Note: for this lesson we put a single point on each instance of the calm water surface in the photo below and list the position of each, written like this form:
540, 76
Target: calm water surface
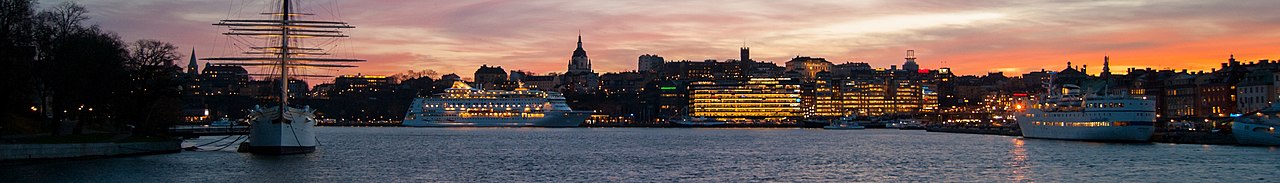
678, 155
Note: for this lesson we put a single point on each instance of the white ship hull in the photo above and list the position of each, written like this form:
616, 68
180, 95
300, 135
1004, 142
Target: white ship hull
551, 119
1093, 119
1139, 132
1255, 134
269, 136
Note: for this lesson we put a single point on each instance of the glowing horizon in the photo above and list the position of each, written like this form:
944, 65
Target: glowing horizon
971, 37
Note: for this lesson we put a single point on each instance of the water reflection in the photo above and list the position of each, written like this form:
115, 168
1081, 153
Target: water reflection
678, 155
1018, 160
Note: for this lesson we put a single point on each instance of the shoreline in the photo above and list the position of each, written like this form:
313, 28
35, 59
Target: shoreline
18, 153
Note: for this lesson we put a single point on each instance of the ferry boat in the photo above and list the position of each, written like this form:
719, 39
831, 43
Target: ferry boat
1258, 128
1071, 116
464, 106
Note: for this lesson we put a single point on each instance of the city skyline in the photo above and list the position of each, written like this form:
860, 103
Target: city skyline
539, 36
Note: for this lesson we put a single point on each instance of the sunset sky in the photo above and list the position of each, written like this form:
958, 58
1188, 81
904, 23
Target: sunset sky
972, 37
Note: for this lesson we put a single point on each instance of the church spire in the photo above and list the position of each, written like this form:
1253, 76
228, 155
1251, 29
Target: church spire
1106, 66
579, 63
192, 68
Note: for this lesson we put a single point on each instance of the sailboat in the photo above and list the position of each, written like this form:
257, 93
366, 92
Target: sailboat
283, 129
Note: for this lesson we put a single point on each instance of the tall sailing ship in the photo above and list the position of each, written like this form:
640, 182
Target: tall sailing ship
283, 129
1068, 114
464, 106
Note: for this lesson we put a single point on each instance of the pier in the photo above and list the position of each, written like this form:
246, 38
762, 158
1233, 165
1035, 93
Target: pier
197, 131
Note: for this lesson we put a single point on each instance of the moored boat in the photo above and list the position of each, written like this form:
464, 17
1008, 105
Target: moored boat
283, 129
697, 122
846, 123
1069, 115
464, 106
1258, 128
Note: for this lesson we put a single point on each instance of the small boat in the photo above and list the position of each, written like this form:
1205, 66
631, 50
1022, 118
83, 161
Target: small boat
697, 122
1258, 128
909, 124
224, 122
846, 123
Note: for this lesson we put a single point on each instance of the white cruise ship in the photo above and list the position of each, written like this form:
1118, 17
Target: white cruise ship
1071, 116
1258, 128
463, 106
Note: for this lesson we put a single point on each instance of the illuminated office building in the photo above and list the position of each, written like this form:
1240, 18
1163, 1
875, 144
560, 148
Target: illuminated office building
754, 100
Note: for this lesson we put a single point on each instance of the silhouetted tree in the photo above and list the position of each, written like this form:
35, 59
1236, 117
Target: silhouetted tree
156, 90
82, 74
16, 54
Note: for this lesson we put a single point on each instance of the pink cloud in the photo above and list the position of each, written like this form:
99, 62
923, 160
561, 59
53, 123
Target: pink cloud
459, 36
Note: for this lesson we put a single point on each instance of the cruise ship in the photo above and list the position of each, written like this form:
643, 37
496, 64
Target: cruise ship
1068, 115
464, 106
1258, 128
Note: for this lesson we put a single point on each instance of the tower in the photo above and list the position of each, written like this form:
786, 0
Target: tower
911, 62
192, 67
1106, 66
579, 63
744, 53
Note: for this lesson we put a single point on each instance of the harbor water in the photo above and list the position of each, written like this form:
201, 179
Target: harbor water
391, 154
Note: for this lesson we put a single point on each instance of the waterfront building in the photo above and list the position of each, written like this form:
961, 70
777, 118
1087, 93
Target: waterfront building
649, 63
493, 78
269, 88
1257, 90
1036, 79
709, 70
320, 91
490, 75
672, 99
1150, 83
623, 82
1217, 95
223, 79
627, 95
761, 69
750, 101
360, 83
863, 97
818, 97
1180, 96
533, 81
851, 70
808, 66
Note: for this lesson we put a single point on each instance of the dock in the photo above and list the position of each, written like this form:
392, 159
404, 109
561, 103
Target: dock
1006, 131
204, 130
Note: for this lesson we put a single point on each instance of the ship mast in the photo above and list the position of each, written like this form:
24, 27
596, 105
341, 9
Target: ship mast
284, 59
286, 27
